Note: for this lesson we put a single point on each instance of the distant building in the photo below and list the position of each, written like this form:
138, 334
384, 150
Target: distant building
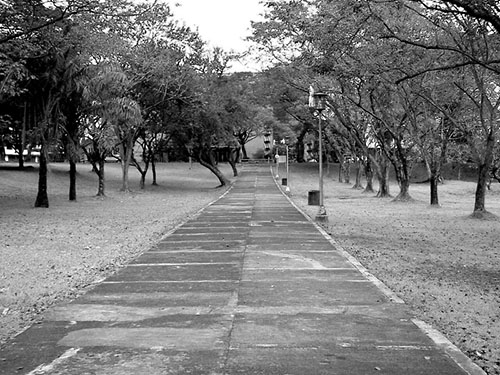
11, 154
255, 148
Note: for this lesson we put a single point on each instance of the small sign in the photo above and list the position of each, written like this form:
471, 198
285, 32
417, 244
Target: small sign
282, 159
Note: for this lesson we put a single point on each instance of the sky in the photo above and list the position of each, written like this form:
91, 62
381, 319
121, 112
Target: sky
222, 23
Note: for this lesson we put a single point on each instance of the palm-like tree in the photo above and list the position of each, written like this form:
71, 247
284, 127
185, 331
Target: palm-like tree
112, 120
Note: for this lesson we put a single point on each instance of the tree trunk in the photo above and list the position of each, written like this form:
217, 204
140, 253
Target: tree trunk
244, 151
233, 167
299, 146
142, 181
383, 190
428, 168
484, 167
369, 177
480, 197
341, 160
153, 170
42, 199
383, 179
100, 175
212, 168
125, 185
142, 172
404, 191
232, 157
20, 149
435, 178
126, 156
72, 141
237, 155
404, 185
382, 173
72, 179
359, 174
434, 182
347, 172
97, 160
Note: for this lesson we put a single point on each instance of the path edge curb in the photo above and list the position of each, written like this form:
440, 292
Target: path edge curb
173, 229
196, 213
459, 357
98, 281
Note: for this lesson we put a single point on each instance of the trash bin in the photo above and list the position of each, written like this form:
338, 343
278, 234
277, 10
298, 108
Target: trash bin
313, 198
284, 181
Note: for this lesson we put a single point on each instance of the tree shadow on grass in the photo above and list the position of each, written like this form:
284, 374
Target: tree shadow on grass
28, 168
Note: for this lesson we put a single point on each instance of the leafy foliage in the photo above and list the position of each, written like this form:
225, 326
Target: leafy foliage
423, 72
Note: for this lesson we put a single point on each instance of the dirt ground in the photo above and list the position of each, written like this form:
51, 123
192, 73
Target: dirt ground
443, 263
50, 255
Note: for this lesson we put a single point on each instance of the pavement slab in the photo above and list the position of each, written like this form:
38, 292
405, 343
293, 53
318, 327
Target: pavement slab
248, 286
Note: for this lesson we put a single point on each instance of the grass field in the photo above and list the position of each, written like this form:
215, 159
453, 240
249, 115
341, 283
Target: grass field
444, 264
49, 255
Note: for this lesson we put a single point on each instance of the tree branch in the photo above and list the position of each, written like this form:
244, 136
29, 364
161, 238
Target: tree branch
476, 9
450, 67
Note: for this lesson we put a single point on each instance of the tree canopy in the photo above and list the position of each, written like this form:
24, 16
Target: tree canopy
408, 81
109, 78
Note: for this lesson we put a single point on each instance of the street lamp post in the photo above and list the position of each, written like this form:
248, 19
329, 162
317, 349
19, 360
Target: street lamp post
285, 142
318, 103
287, 189
277, 158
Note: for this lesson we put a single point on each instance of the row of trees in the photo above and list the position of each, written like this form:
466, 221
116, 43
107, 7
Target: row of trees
407, 81
104, 78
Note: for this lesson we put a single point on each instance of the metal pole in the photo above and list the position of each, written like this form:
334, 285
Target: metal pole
321, 202
287, 171
322, 215
277, 163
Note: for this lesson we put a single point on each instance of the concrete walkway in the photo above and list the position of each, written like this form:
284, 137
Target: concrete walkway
250, 286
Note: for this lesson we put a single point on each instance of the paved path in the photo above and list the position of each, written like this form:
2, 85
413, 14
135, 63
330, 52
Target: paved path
247, 287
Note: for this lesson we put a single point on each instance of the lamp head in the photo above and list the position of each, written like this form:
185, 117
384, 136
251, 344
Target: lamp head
318, 101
